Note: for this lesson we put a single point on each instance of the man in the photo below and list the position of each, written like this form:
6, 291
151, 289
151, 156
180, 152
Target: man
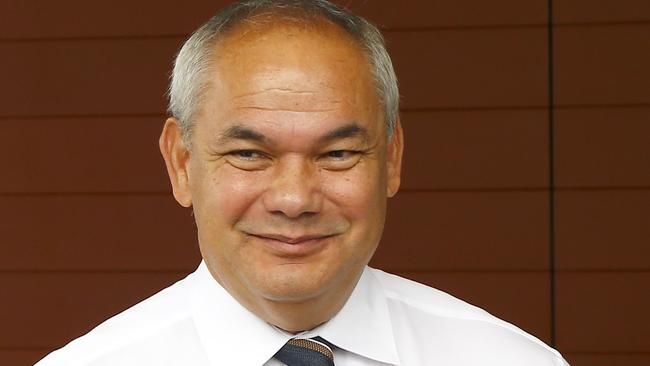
285, 141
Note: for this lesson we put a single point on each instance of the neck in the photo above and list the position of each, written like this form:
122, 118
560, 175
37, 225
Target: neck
295, 316
298, 316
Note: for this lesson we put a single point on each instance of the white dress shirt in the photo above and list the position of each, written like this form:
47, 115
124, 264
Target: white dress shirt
388, 320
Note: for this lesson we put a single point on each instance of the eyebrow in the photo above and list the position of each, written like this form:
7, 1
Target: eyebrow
350, 130
239, 132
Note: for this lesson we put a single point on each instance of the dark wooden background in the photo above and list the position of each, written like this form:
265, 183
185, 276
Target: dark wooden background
526, 187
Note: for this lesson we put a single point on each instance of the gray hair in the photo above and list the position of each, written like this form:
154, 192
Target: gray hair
189, 78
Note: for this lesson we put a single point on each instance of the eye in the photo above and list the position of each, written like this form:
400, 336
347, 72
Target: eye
339, 154
248, 159
246, 154
340, 159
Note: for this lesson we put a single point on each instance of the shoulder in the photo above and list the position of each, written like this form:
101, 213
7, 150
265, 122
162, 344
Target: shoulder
467, 332
140, 326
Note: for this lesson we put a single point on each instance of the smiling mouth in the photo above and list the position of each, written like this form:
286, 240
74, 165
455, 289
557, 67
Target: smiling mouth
292, 240
293, 246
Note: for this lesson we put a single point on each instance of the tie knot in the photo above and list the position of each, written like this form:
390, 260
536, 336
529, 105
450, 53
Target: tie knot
306, 352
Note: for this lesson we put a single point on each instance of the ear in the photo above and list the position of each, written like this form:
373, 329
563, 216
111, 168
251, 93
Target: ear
177, 159
394, 153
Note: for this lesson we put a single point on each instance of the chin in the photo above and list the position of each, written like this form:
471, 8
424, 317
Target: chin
295, 284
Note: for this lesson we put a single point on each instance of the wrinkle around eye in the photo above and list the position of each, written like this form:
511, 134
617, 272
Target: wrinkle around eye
248, 159
247, 154
342, 154
348, 160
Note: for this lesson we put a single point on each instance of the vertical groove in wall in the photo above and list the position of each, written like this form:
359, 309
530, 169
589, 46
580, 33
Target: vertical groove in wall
551, 173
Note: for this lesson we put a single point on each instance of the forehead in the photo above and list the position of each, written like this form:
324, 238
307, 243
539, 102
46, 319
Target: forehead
321, 50
314, 57
288, 32
291, 72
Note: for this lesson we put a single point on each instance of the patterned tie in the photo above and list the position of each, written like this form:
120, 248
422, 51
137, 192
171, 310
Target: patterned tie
306, 352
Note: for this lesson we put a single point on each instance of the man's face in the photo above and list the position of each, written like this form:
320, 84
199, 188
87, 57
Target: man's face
290, 166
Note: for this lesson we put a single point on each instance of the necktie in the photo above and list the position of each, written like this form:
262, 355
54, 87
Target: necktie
305, 352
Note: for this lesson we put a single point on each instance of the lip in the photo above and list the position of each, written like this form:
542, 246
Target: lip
293, 245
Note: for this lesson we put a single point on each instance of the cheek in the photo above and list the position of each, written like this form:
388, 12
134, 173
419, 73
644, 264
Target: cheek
223, 196
361, 200
359, 195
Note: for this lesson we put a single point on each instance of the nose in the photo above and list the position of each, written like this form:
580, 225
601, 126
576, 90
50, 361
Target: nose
294, 191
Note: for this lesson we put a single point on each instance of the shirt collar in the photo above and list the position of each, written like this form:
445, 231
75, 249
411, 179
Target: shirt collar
230, 334
363, 325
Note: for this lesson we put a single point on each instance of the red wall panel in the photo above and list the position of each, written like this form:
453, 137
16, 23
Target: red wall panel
85, 202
